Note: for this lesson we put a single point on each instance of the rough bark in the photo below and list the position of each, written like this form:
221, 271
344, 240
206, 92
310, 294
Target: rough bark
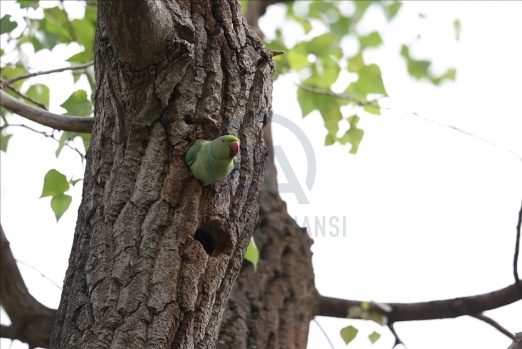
272, 307
155, 254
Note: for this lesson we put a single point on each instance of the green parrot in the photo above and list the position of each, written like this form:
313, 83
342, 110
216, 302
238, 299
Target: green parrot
211, 161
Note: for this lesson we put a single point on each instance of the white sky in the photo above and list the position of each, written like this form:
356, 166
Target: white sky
430, 213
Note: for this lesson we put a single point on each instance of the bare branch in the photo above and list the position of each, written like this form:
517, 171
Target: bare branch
439, 309
32, 322
39, 272
59, 122
517, 249
47, 135
495, 324
45, 72
398, 340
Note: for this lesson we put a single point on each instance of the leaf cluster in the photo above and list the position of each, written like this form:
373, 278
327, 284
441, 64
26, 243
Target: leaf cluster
322, 58
31, 27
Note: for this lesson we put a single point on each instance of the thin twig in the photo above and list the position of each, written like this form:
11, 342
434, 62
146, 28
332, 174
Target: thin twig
398, 341
24, 96
44, 72
493, 323
45, 134
324, 333
345, 96
517, 248
374, 103
38, 271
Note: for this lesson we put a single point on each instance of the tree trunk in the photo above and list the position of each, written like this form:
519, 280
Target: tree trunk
272, 308
155, 254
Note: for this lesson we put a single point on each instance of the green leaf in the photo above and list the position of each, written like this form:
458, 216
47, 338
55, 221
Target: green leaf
324, 73
252, 253
306, 101
10, 71
55, 184
60, 204
450, 74
244, 6
86, 138
329, 139
353, 136
297, 60
355, 63
66, 136
28, 4
307, 26
370, 81
392, 9
78, 104
7, 25
320, 9
374, 337
81, 57
456, 26
371, 40
373, 109
39, 92
416, 68
85, 30
419, 69
360, 8
55, 21
348, 334
4, 140
323, 46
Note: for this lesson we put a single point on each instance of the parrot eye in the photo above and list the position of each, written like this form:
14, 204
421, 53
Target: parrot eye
222, 141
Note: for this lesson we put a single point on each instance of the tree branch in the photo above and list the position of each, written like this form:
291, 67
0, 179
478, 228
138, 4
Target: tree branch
398, 340
47, 135
345, 96
439, 309
59, 122
45, 72
24, 96
517, 342
517, 248
31, 322
493, 323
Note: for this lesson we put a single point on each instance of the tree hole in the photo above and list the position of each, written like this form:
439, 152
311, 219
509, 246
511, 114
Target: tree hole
206, 239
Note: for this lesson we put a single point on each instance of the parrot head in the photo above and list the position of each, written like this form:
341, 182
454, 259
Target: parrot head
225, 147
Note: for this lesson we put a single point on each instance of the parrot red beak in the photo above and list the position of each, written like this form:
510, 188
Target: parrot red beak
234, 148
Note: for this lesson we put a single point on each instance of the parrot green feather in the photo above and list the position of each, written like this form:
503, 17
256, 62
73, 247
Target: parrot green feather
210, 161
